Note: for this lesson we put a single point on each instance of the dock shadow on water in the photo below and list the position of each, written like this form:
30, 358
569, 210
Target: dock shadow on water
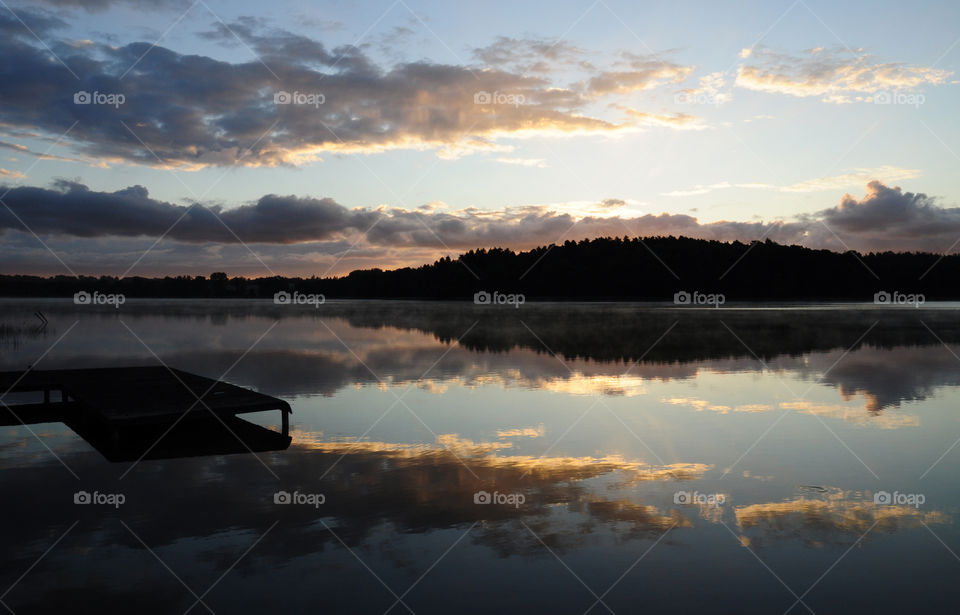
444, 457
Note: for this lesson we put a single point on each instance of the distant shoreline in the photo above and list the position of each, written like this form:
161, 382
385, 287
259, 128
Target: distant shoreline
676, 270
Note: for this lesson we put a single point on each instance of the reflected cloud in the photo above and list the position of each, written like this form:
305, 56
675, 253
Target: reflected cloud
850, 414
480, 457
853, 414
836, 518
702, 404
383, 496
525, 432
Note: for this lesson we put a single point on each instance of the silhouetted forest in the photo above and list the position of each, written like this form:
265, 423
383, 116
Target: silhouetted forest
607, 268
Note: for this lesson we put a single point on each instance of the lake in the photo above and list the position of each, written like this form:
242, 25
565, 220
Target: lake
460, 458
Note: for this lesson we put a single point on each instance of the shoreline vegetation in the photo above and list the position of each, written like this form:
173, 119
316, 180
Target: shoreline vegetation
624, 269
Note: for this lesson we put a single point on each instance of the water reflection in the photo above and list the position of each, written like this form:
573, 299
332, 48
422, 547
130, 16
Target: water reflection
835, 518
399, 423
872, 418
609, 353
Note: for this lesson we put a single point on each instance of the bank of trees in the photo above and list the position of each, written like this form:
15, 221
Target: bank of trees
606, 268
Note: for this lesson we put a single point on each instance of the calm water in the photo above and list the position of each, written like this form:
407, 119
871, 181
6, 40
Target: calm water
640, 460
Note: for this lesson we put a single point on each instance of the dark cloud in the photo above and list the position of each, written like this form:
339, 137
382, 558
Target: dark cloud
892, 213
886, 218
192, 111
277, 45
41, 23
73, 209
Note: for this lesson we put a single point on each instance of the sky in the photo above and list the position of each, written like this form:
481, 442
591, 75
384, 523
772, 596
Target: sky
169, 137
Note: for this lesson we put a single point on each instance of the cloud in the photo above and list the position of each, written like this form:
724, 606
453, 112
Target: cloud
854, 177
41, 24
15, 147
539, 163
73, 209
101, 231
713, 90
703, 189
337, 100
530, 54
522, 432
679, 121
887, 214
644, 74
23, 149
837, 76
396, 39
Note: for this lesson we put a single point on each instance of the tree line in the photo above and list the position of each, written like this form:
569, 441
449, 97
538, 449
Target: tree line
609, 268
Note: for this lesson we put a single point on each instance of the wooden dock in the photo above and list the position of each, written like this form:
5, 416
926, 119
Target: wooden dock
125, 412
